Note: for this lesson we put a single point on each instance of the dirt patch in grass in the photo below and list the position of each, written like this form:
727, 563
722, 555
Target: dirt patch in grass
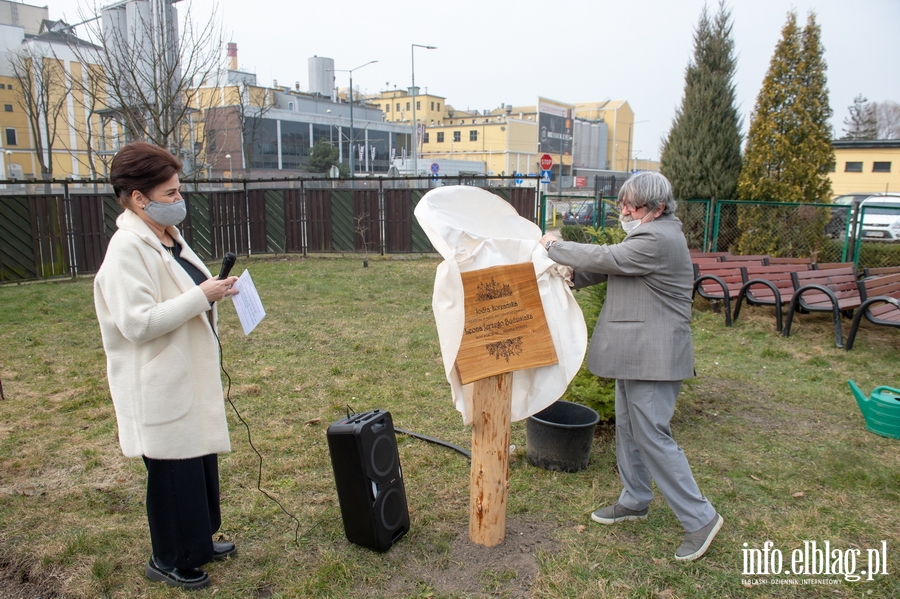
17, 581
507, 570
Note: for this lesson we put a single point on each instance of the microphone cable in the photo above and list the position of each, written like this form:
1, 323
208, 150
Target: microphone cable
252, 446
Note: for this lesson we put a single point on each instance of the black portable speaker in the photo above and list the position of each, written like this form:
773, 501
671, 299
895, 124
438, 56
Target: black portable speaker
369, 480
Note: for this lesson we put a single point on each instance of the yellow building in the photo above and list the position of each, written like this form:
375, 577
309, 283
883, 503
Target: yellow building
619, 117
16, 133
29, 66
397, 107
866, 166
505, 144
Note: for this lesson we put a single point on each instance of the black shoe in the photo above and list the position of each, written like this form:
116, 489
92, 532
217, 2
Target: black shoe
190, 579
223, 551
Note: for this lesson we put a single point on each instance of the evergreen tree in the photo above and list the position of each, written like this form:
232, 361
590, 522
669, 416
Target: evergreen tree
789, 153
323, 156
862, 122
702, 153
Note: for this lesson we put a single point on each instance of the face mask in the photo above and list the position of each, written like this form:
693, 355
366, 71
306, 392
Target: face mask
166, 214
630, 225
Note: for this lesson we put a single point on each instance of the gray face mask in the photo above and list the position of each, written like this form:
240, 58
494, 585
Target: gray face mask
166, 214
629, 226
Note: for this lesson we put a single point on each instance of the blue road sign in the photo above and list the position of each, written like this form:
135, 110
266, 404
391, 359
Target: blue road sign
519, 178
435, 167
545, 176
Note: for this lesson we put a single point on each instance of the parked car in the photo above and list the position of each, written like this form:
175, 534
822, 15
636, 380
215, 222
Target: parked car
837, 226
580, 214
881, 218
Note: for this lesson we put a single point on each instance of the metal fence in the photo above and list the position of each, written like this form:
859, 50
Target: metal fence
62, 228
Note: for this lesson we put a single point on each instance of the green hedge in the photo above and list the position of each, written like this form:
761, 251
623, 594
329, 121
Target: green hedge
586, 388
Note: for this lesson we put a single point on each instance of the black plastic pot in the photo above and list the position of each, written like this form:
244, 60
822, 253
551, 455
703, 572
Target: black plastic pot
559, 437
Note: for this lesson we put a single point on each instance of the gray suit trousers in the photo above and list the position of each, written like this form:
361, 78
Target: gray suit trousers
645, 448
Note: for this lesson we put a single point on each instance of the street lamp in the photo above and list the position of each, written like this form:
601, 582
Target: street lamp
413, 91
628, 163
230, 171
352, 172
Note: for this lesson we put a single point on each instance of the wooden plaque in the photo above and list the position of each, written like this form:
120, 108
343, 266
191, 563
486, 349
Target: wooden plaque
506, 328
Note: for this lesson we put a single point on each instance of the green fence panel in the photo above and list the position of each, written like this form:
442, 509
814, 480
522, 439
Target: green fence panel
694, 215
420, 241
111, 211
782, 229
276, 234
878, 237
342, 231
16, 249
200, 229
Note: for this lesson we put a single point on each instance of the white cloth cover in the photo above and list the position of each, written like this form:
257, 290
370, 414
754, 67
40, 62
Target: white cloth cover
473, 229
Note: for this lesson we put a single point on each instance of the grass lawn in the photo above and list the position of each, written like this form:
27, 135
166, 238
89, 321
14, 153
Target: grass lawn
775, 439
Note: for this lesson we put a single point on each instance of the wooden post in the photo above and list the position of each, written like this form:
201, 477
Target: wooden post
489, 479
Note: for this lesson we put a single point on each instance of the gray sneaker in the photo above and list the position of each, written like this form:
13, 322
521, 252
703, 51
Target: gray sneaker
696, 543
618, 513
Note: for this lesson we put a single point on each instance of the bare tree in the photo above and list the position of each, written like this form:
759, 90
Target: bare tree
151, 69
89, 93
887, 119
235, 125
44, 88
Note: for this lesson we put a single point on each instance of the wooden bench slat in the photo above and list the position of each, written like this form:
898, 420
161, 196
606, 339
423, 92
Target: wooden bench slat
881, 303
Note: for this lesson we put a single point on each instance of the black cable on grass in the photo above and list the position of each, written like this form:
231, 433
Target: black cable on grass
350, 411
457, 448
252, 446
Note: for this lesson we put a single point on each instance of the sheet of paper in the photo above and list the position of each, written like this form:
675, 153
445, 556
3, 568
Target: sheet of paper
249, 308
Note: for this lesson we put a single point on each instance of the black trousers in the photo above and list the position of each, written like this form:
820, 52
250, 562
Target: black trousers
183, 509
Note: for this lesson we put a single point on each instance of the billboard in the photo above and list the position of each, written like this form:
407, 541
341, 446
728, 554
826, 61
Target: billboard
555, 127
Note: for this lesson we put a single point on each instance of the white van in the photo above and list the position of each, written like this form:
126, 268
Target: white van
881, 217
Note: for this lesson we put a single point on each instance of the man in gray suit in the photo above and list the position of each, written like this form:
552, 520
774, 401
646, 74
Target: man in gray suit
643, 340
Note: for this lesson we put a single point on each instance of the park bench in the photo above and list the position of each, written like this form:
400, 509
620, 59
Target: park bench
807, 261
706, 260
831, 290
881, 270
768, 285
880, 305
761, 258
699, 254
832, 265
720, 281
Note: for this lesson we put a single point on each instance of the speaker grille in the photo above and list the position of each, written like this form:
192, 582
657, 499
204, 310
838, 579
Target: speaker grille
393, 508
384, 455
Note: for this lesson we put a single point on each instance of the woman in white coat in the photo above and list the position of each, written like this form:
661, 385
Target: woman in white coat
155, 300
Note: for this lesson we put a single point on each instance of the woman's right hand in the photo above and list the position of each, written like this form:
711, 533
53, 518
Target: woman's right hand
216, 289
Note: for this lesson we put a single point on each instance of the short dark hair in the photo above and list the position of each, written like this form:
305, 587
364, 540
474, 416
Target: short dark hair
140, 166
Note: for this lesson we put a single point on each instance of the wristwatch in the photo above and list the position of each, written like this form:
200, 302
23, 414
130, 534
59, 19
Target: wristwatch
548, 244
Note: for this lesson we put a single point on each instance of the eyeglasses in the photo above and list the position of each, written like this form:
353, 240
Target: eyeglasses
621, 204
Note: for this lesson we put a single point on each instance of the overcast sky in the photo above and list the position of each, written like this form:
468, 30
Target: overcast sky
491, 52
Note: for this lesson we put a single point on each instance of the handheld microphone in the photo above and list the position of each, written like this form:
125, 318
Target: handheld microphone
227, 263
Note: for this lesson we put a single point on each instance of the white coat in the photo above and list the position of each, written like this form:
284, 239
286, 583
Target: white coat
161, 355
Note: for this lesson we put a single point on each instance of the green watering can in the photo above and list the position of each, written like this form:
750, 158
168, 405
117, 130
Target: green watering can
881, 411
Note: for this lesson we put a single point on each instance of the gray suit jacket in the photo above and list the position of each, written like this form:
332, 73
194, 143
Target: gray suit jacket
644, 329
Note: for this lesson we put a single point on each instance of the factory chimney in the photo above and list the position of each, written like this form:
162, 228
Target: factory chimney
232, 57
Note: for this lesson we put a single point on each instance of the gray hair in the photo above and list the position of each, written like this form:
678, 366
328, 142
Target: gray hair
648, 189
